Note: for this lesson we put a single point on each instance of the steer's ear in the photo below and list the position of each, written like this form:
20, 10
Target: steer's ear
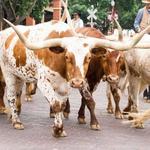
99, 51
57, 49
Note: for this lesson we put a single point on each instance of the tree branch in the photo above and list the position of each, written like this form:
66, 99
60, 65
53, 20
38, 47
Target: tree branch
13, 11
4, 7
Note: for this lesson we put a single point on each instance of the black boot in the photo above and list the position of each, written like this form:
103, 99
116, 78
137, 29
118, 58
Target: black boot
145, 94
148, 93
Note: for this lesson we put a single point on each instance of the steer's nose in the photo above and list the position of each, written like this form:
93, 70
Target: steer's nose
77, 83
112, 78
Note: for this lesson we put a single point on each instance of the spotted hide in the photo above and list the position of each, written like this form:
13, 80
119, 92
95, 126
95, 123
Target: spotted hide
54, 56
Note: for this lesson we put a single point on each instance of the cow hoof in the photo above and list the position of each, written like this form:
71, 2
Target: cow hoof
95, 127
28, 99
134, 109
66, 115
127, 110
7, 111
2, 110
119, 115
18, 126
81, 121
52, 115
110, 110
125, 113
138, 125
59, 132
147, 100
63, 134
130, 118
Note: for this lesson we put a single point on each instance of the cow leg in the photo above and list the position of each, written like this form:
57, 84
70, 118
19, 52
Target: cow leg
57, 105
65, 112
67, 109
12, 98
19, 86
30, 90
51, 114
116, 96
127, 109
109, 97
2, 90
81, 113
134, 89
91, 106
58, 129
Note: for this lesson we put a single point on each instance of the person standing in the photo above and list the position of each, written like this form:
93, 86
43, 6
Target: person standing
77, 21
142, 20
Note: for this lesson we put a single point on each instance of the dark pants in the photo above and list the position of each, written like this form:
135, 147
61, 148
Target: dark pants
147, 92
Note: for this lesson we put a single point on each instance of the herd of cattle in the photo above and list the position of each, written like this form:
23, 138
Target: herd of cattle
55, 57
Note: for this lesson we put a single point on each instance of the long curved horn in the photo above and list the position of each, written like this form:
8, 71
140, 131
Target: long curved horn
37, 45
64, 16
120, 34
69, 21
144, 45
121, 46
96, 42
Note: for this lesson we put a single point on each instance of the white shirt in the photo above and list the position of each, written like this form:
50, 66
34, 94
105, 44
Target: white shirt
77, 23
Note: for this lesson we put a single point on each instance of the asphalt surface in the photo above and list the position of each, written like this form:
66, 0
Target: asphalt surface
114, 135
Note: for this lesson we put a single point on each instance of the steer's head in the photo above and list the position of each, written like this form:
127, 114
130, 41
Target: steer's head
77, 59
77, 51
113, 63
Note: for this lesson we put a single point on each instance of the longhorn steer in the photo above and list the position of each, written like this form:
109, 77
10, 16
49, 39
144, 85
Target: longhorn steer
53, 55
115, 89
138, 70
109, 64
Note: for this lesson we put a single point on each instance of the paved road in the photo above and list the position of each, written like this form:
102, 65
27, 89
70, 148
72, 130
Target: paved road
37, 134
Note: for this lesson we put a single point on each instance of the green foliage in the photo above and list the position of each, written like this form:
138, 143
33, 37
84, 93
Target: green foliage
23, 6
37, 11
127, 9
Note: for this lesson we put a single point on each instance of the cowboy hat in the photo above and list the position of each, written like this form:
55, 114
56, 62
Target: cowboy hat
146, 1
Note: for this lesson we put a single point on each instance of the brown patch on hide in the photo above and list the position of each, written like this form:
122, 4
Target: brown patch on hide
19, 52
58, 107
133, 72
9, 39
55, 34
91, 32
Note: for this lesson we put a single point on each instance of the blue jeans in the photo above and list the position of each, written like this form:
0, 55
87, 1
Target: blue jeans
147, 92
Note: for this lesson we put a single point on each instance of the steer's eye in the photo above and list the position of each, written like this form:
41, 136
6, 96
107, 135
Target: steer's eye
57, 49
89, 58
104, 56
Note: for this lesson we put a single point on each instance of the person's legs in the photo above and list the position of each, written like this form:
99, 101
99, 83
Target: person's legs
148, 93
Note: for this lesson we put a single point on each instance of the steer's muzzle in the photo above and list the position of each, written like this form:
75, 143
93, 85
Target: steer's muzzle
76, 82
112, 78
